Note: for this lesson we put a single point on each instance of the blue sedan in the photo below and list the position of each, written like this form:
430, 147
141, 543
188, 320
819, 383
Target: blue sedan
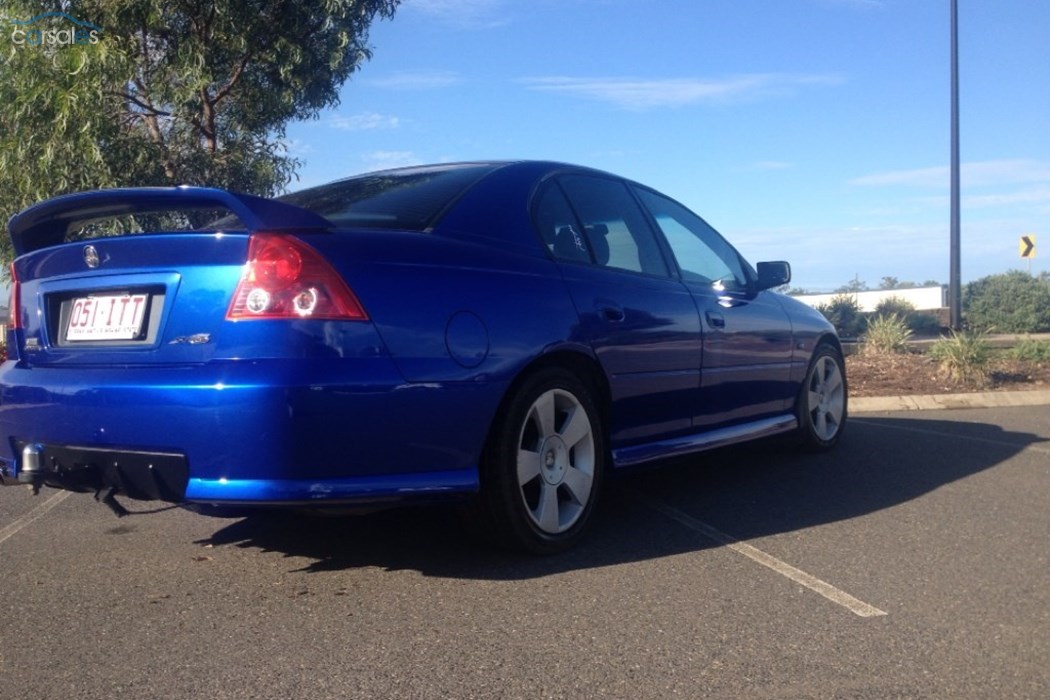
504, 333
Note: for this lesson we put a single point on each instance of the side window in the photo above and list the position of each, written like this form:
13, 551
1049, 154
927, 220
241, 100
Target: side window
558, 226
702, 254
614, 225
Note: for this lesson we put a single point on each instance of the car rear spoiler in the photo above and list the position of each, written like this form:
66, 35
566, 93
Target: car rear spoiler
47, 223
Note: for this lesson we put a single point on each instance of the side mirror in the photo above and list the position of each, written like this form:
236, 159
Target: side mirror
773, 274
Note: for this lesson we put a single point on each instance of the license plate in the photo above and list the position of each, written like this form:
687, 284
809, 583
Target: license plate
116, 317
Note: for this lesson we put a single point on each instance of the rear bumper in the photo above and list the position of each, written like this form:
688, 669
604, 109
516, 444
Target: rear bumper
165, 477
248, 432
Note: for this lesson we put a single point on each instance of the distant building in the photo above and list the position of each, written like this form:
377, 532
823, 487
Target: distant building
922, 298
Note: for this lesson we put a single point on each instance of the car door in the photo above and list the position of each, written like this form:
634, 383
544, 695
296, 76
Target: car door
747, 334
640, 321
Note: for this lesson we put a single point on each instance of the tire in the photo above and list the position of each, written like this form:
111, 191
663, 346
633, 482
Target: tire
542, 471
822, 401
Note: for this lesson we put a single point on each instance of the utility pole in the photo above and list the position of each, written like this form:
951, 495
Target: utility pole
955, 267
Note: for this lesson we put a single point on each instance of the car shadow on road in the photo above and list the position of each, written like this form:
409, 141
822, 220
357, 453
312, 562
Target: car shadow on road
748, 492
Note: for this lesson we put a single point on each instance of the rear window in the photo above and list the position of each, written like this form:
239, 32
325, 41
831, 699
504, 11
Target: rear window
409, 198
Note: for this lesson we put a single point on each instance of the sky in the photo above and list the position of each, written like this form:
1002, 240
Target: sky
813, 131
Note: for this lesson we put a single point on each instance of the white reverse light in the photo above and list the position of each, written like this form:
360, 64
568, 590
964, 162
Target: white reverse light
305, 302
258, 301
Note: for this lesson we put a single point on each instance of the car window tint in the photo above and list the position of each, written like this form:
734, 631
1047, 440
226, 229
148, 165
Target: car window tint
702, 254
614, 225
558, 226
411, 198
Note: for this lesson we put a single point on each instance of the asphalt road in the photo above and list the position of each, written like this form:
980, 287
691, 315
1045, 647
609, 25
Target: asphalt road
910, 563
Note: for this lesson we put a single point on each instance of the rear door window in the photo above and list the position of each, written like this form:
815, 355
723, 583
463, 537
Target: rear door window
615, 229
559, 227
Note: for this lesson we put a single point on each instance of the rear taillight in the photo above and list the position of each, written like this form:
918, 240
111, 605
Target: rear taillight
286, 278
14, 301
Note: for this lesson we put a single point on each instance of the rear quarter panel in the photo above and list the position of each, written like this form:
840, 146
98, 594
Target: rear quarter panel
453, 310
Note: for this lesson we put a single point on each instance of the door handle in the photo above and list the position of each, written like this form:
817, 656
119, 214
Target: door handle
716, 319
611, 312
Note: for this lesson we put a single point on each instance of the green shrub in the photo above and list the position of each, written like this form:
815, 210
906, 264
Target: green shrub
1013, 302
886, 333
1030, 350
917, 321
963, 356
844, 313
895, 305
926, 322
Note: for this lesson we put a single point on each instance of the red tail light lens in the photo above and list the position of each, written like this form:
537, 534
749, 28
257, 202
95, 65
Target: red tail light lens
277, 266
15, 302
286, 278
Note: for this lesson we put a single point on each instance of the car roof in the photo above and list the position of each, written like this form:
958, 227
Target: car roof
531, 165
479, 198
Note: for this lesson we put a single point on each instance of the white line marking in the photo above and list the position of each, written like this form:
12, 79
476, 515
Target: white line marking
33, 515
955, 436
857, 607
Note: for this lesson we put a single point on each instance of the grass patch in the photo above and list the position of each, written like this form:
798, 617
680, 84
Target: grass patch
1030, 350
963, 357
886, 333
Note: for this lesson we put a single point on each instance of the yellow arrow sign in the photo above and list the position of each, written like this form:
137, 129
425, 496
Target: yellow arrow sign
1028, 245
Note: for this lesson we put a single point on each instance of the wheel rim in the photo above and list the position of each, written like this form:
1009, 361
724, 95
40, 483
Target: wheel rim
827, 398
556, 461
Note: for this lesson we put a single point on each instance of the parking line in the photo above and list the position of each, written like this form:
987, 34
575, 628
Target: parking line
954, 436
35, 514
857, 607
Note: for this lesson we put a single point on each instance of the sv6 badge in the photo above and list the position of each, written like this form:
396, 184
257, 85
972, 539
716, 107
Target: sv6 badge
195, 339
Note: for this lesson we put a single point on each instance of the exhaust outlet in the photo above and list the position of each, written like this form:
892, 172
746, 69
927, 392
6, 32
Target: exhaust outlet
31, 472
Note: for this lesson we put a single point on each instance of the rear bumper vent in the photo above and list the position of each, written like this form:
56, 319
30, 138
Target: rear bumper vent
141, 475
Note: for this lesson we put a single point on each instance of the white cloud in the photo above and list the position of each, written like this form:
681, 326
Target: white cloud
920, 177
384, 160
296, 147
364, 122
859, 4
767, 165
1037, 195
1031, 195
1021, 186
463, 14
417, 80
650, 93
988, 173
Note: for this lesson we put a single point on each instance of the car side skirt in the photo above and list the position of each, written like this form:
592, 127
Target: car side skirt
699, 442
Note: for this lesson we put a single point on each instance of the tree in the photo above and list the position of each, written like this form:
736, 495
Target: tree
1012, 302
889, 283
168, 91
843, 312
855, 285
